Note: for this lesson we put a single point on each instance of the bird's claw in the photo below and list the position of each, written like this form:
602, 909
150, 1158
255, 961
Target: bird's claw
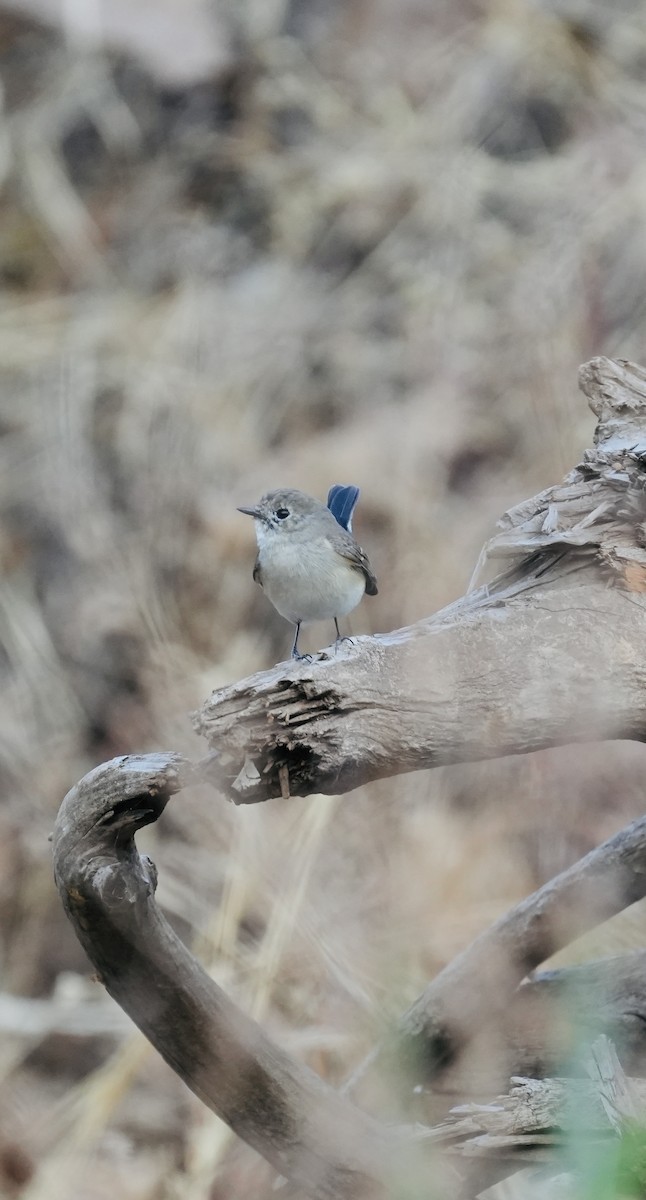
339, 641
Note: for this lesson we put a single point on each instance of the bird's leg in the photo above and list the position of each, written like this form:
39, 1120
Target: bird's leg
295, 653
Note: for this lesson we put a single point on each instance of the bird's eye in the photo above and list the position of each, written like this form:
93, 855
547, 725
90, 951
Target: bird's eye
281, 513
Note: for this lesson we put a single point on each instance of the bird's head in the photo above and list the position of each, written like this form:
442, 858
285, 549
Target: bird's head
284, 511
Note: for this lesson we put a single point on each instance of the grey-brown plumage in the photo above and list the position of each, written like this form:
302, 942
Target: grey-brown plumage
308, 565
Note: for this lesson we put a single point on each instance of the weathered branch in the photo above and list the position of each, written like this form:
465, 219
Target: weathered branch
530, 661
310, 1133
477, 991
558, 1010
552, 651
302, 1126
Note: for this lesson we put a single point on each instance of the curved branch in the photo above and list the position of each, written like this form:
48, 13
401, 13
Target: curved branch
511, 667
480, 988
559, 1009
302, 1126
306, 1130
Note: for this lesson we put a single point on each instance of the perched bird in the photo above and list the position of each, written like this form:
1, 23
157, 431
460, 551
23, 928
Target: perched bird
308, 562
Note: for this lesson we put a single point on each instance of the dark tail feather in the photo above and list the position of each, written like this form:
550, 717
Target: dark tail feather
341, 501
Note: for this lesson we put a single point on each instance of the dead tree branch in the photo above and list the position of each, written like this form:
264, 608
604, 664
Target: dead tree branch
607, 880
529, 661
511, 667
309, 1132
555, 1011
478, 992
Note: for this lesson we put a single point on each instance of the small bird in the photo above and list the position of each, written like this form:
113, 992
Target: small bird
308, 562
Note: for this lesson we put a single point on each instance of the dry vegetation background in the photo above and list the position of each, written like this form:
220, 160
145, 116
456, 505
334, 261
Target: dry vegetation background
290, 242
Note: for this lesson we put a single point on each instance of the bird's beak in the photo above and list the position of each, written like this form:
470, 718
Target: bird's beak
251, 512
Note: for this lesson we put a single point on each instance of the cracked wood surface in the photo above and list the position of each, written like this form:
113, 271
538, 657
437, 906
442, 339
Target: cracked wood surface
506, 677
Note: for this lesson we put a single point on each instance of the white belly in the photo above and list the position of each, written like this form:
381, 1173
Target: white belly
309, 582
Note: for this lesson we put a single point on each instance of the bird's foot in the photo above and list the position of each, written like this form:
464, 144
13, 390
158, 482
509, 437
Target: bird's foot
340, 640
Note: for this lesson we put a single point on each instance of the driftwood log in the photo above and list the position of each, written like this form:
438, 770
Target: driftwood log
552, 650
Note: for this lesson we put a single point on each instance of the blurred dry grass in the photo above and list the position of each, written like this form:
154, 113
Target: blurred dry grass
374, 246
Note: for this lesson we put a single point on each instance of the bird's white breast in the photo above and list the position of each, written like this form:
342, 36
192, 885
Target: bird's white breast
306, 579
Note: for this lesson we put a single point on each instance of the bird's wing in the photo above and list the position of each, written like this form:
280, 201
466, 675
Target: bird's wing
257, 570
348, 548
